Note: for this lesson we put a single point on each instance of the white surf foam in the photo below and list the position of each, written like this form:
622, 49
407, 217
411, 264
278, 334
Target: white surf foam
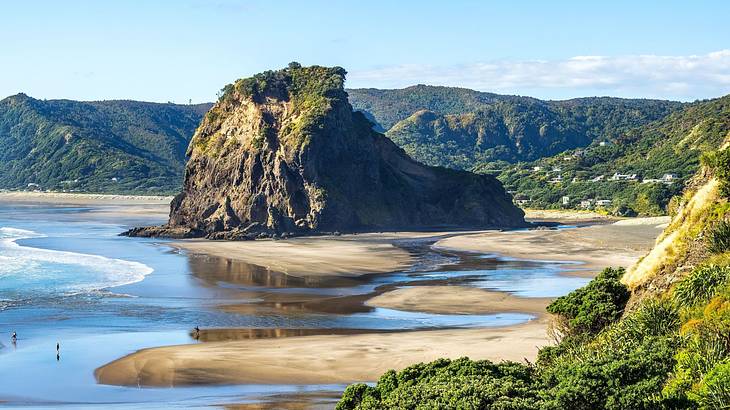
51, 271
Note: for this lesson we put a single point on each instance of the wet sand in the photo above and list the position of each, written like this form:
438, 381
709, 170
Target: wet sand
457, 300
597, 246
345, 358
346, 256
317, 359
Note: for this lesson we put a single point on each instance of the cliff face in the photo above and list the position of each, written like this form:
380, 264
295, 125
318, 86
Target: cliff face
283, 152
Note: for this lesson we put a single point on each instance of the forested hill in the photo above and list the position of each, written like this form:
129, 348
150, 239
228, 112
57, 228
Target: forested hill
642, 156
103, 146
461, 128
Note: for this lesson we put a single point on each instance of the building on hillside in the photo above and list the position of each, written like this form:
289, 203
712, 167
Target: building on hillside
598, 178
537, 169
566, 200
624, 177
668, 179
34, 187
605, 143
558, 179
603, 202
586, 203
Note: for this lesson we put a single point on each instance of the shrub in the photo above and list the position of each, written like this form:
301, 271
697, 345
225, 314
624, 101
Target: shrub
714, 391
718, 239
700, 285
594, 306
611, 376
707, 345
457, 384
719, 162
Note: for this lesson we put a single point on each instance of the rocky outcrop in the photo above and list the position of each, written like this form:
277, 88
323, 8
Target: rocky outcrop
283, 153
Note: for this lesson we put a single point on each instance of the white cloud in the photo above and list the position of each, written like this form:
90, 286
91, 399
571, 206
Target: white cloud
651, 76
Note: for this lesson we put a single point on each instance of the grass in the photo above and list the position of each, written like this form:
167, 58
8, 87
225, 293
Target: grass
718, 239
700, 285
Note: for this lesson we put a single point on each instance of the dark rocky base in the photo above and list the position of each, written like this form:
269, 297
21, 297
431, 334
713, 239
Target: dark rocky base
258, 231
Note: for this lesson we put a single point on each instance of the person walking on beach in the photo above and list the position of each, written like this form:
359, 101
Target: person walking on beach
58, 348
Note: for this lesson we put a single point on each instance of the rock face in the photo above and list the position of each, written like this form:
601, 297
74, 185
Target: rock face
283, 153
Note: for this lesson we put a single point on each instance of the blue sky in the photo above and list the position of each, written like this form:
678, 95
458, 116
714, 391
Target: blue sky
189, 49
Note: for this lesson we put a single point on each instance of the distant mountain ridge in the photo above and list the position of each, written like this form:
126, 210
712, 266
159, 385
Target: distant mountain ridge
101, 146
462, 128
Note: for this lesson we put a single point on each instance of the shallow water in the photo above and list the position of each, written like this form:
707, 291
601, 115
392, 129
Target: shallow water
66, 276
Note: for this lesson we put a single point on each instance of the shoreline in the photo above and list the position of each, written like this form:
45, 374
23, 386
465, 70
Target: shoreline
72, 198
344, 256
595, 246
317, 359
347, 358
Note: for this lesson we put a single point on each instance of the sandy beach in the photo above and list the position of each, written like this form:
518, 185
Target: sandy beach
82, 199
317, 359
457, 300
344, 357
349, 255
597, 246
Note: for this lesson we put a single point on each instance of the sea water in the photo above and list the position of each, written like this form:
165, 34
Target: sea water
67, 277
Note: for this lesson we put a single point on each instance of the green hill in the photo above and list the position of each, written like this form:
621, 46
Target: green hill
104, 146
656, 336
461, 128
672, 145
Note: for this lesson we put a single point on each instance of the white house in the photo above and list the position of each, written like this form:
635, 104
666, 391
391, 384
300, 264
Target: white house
587, 203
603, 202
558, 179
623, 177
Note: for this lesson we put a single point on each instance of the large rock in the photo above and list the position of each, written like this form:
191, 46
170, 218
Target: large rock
284, 153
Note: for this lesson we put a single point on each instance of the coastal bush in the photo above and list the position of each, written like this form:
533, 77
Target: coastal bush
625, 366
591, 308
452, 384
719, 162
700, 285
714, 391
706, 345
628, 375
718, 239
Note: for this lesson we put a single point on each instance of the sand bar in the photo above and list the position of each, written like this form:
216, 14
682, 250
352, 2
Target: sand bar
458, 300
322, 359
317, 359
312, 256
598, 246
